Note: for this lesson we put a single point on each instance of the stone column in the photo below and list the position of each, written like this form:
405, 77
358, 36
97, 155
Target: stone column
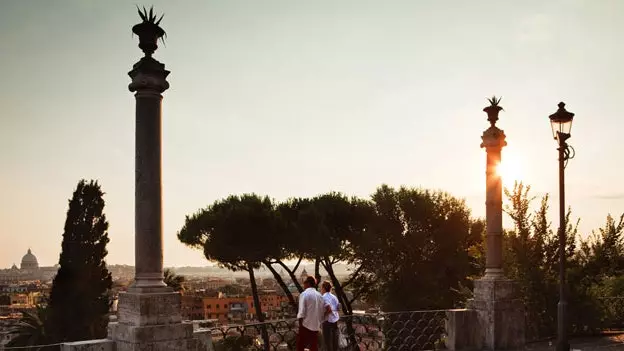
148, 83
493, 142
149, 314
499, 312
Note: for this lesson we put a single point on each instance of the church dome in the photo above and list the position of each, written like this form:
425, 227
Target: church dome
29, 261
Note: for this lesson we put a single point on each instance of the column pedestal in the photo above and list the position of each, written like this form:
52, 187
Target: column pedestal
500, 314
151, 321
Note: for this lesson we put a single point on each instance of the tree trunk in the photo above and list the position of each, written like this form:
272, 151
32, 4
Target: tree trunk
317, 270
258, 307
292, 276
281, 282
340, 294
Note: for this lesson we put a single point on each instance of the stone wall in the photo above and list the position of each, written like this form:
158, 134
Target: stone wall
202, 337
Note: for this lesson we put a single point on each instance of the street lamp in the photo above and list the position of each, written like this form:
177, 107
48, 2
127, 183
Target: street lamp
561, 123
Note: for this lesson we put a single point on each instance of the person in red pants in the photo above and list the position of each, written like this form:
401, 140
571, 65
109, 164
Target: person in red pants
310, 315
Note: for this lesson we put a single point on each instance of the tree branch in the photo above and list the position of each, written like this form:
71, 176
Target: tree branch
353, 276
292, 275
298, 262
281, 283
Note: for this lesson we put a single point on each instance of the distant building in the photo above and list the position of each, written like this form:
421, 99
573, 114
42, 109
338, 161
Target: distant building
238, 309
304, 274
29, 270
192, 307
216, 283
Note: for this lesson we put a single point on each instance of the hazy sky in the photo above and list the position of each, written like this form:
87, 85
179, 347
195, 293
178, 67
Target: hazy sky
295, 98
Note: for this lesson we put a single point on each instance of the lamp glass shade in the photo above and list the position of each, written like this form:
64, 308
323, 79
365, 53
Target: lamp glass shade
564, 127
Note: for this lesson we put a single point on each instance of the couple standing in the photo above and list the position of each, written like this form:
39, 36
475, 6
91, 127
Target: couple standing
316, 310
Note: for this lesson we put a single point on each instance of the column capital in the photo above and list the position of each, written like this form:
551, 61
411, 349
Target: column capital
148, 75
493, 137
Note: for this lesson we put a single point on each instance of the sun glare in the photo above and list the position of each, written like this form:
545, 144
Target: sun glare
511, 171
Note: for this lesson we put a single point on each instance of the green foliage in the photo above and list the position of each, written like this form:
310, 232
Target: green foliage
235, 232
416, 249
79, 301
416, 231
31, 329
173, 280
531, 256
329, 228
595, 279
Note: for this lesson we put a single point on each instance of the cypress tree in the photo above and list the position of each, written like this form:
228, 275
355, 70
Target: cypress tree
79, 299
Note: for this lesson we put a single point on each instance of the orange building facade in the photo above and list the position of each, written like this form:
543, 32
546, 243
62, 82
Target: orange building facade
239, 309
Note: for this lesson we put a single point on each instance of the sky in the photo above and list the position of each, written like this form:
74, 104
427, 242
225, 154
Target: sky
297, 98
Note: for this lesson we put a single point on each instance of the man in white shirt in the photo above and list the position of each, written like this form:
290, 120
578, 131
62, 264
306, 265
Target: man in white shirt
330, 325
310, 315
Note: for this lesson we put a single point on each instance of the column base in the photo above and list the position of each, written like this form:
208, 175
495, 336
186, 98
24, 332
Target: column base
149, 280
150, 320
500, 313
493, 274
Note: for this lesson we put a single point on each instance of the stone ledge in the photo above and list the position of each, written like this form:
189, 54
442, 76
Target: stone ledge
89, 345
152, 333
176, 345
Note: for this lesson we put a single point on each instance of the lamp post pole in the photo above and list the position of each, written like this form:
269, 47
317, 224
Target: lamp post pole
561, 122
562, 343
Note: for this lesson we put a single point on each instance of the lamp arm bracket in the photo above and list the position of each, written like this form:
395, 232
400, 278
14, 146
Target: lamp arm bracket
568, 154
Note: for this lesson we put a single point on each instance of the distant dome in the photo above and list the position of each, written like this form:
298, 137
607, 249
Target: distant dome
14, 267
29, 261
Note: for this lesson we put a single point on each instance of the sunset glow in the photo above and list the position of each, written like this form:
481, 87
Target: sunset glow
511, 170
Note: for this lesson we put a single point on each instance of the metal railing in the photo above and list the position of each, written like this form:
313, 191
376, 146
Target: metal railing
281, 335
396, 331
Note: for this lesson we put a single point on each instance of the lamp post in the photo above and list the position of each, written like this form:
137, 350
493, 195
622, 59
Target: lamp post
561, 123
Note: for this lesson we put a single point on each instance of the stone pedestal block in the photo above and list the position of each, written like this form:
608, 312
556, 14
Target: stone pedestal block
500, 314
462, 332
151, 322
149, 308
204, 340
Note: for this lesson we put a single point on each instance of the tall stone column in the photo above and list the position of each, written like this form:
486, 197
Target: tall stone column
148, 83
149, 314
499, 311
493, 142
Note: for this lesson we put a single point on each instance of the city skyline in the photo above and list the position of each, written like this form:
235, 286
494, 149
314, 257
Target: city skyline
291, 100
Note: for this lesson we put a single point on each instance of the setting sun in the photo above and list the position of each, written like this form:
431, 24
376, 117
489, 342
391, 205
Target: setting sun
511, 170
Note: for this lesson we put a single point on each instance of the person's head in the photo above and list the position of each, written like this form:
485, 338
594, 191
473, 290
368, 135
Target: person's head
309, 282
326, 286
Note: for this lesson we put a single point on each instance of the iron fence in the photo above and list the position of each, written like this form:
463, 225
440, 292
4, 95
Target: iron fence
281, 335
396, 331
